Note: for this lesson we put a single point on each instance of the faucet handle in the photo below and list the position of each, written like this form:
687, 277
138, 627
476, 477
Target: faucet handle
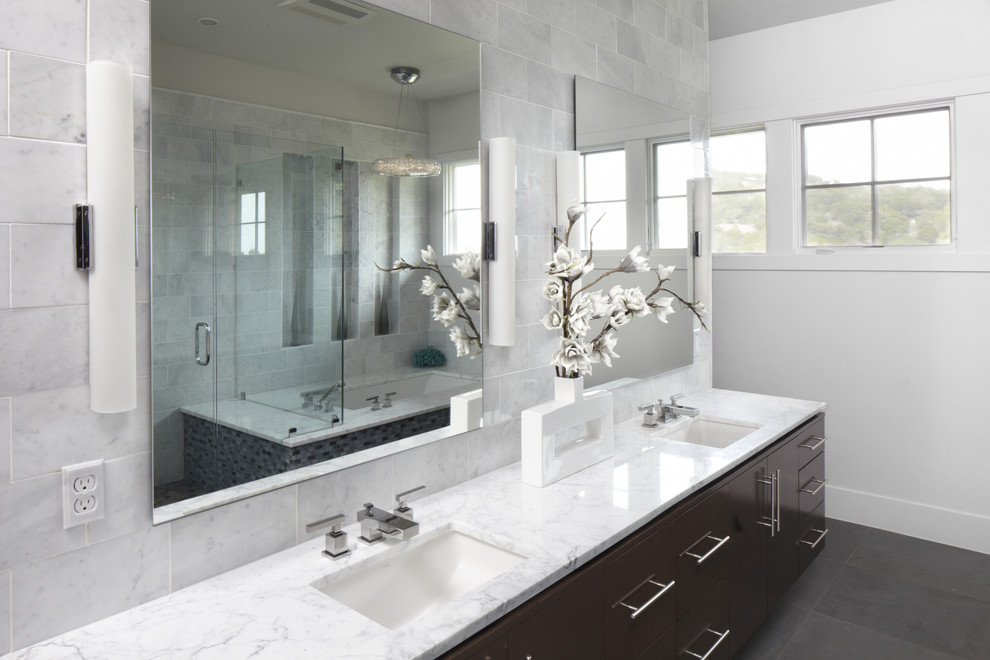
675, 397
400, 499
333, 522
375, 405
336, 540
649, 407
388, 399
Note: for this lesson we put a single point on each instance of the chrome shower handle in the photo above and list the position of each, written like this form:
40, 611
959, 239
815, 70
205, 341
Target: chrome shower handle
199, 359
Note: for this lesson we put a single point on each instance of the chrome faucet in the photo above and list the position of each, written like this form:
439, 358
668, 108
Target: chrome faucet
336, 540
377, 524
671, 411
649, 411
319, 404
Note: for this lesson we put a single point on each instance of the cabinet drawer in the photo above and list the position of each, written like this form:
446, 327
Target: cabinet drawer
703, 548
640, 595
813, 533
703, 632
811, 442
811, 482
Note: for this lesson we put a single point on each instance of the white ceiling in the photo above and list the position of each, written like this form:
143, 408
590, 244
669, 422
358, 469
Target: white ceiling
358, 55
731, 17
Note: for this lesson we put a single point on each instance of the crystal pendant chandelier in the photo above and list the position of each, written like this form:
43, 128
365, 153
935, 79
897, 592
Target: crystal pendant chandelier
407, 165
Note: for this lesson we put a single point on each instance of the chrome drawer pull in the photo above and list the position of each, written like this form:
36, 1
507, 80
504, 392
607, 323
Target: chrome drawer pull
702, 558
814, 447
636, 611
721, 637
821, 484
821, 535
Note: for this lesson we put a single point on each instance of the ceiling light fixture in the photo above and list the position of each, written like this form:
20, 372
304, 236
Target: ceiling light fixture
407, 165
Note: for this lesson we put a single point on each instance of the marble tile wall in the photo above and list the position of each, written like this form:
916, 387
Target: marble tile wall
53, 579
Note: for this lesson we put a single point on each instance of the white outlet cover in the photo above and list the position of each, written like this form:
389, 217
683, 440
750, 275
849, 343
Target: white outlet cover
83, 493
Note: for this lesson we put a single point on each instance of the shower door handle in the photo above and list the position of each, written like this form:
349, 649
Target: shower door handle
199, 358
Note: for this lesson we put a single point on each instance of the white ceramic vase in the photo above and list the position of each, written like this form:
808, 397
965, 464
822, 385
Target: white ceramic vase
566, 435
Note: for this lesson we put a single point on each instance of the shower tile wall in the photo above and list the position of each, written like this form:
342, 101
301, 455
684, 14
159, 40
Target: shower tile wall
250, 143
43, 375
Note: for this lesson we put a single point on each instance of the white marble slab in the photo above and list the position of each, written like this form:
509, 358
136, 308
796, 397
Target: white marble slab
268, 609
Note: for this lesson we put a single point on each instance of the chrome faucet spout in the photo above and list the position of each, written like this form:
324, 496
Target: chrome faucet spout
377, 524
673, 410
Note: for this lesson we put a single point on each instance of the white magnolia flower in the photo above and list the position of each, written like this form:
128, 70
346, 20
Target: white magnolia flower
429, 256
573, 356
581, 313
399, 263
469, 266
461, 341
619, 318
664, 273
663, 307
553, 290
568, 264
575, 212
603, 350
633, 263
629, 300
700, 308
470, 298
601, 304
553, 320
445, 309
429, 286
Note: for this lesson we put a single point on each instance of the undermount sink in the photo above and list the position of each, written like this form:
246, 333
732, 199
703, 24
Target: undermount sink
710, 433
405, 585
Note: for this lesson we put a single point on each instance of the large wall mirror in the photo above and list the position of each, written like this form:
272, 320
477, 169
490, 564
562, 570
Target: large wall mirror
279, 348
636, 158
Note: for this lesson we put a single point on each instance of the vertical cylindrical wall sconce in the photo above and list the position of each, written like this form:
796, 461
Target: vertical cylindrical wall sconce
568, 190
701, 220
110, 188
502, 270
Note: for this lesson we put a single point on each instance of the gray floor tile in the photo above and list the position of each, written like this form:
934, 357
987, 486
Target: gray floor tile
843, 537
813, 584
933, 564
773, 635
823, 638
907, 610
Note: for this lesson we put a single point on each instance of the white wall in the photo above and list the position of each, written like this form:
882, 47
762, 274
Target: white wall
894, 340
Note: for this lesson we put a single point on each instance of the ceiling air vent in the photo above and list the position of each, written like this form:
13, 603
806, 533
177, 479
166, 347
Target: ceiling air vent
338, 12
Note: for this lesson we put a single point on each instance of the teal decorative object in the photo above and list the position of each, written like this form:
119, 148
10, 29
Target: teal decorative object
429, 357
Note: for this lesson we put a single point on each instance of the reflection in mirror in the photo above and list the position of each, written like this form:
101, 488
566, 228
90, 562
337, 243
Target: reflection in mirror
636, 158
277, 344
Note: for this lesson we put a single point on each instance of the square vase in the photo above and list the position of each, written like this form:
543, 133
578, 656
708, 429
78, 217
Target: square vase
566, 435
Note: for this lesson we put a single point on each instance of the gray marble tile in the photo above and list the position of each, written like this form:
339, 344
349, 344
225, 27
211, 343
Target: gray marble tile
633, 42
56, 427
118, 31
53, 29
42, 269
209, 543
594, 24
503, 72
530, 124
624, 9
418, 9
142, 123
563, 131
4, 129
494, 447
524, 389
45, 348
559, 13
510, 359
40, 181
523, 35
47, 99
4, 440
680, 33
665, 57
650, 15
70, 590
344, 492
128, 497
471, 18
549, 87
437, 466
930, 617
4, 266
31, 519
5, 646
616, 70
824, 638
573, 54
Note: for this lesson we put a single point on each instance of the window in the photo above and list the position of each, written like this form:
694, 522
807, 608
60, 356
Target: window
877, 180
603, 191
672, 167
252, 223
462, 207
739, 191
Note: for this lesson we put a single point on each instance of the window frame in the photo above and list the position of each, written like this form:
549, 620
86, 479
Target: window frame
260, 201
872, 115
583, 195
653, 228
448, 228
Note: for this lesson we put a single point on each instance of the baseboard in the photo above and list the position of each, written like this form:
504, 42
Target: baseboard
957, 528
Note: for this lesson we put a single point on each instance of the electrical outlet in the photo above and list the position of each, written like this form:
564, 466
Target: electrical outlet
83, 493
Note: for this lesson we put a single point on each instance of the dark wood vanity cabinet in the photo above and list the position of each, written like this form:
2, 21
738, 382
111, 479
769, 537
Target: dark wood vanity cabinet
694, 583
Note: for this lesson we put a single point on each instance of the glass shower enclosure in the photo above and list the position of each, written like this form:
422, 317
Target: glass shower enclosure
248, 314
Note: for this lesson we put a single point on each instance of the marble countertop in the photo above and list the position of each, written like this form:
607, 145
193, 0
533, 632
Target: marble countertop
267, 609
